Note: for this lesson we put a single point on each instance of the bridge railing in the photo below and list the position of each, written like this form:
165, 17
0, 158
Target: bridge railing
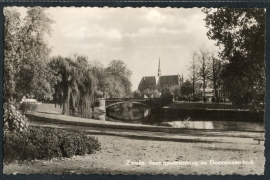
131, 99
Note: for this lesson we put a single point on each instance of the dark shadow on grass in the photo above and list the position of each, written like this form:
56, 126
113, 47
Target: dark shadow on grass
137, 137
48, 113
224, 149
109, 130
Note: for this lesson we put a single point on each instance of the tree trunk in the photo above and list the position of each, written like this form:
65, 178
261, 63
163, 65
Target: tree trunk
203, 74
66, 102
214, 80
203, 86
193, 88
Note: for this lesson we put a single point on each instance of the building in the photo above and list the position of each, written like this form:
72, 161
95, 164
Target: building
148, 82
209, 93
160, 82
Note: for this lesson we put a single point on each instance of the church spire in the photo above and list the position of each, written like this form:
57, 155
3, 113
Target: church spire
159, 70
182, 77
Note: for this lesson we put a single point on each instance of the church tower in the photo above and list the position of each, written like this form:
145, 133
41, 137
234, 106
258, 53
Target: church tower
182, 78
159, 70
158, 77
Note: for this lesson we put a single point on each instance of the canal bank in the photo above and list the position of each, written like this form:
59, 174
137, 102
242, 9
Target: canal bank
208, 111
209, 114
76, 121
128, 111
157, 122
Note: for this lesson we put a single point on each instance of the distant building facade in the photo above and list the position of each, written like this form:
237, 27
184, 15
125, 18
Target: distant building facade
160, 82
147, 82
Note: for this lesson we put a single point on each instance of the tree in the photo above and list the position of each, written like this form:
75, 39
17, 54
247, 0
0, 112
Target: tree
150, 93
26, 54
175, 91
241, 34
114, 80
137, 94
204, 66
186, 88
77, 86
119, 79
100, 74
216, 73
166, 96
155, 94
11, 65
193, 72
62, 68
236, 80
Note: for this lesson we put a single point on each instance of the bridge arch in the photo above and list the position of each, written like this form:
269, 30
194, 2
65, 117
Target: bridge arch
122, 102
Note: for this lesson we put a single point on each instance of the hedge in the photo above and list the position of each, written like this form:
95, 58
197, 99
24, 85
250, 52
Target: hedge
28, 107
46, 143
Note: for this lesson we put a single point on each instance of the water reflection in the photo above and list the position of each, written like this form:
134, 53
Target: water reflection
190, 124
128, 111
138, 114
218, 125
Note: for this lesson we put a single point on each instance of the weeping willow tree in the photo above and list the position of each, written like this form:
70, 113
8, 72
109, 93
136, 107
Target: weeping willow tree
74, 92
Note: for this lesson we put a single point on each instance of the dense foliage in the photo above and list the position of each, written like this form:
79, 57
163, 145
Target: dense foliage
39, 143
150, 93
26, 54
74, 81
137, 94
241, 35
114, 80
186, 88
76, 86
82, 82
14, 121
166, 97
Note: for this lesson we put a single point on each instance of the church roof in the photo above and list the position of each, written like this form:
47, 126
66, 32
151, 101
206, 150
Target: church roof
171, 79
148, 80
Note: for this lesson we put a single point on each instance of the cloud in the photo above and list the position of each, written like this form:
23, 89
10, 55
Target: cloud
93, 31
139, 36
157, 17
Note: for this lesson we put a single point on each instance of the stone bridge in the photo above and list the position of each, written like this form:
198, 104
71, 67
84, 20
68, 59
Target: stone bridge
109, 102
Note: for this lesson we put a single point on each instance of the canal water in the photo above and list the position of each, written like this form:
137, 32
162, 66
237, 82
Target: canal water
139, 114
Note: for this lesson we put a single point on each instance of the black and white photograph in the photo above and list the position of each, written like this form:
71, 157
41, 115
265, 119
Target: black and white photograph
134, 91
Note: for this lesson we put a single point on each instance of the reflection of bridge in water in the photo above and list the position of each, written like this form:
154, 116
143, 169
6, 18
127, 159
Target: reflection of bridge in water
109, 102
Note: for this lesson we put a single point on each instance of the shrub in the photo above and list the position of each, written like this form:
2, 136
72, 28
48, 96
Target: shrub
17, 146
13, 119
46, 143
196, 99
166, 98
204, 99
28, 107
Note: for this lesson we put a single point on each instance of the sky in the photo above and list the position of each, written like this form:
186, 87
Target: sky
138, 36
